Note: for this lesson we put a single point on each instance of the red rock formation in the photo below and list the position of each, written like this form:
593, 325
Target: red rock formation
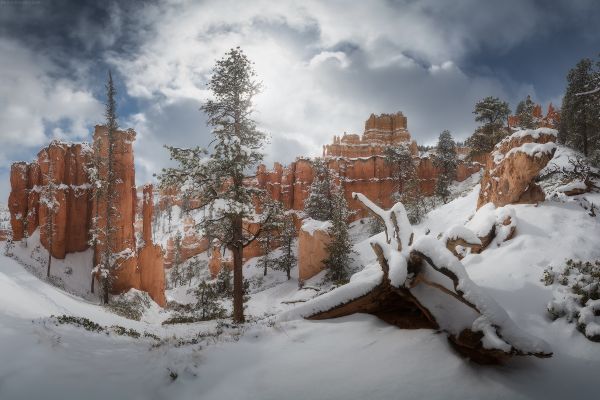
513, 166
380, 131
312, 240
67, 162
150, 256
125, 197
72, 221
550, 120
17, 200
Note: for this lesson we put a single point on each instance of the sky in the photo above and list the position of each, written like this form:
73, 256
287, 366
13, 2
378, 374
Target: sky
325, 67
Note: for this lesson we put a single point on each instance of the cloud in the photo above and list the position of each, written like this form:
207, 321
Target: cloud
36, 105
324, 66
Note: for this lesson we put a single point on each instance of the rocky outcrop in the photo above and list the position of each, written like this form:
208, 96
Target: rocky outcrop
488, 225
312, 241
192, 243
18, 199
513, 166
124, 198
380, 132
65, 165
150, 256
550, 120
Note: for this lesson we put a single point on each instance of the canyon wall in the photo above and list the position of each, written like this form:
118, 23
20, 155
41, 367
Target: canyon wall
65, 166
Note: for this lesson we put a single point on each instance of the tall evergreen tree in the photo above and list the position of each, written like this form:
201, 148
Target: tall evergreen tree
319, 201
580, 113
101, 173
288, 234
270, 233
408, 185
524, 113
176, 272
340, 248
207, 305
218, 178
492, 114
446, 161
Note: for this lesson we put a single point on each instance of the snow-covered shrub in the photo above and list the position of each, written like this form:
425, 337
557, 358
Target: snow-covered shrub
131, 304
576, 295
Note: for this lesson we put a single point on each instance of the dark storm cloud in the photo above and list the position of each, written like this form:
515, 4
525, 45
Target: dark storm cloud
325, 66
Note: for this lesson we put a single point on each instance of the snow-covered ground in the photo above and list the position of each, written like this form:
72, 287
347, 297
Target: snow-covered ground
355, 357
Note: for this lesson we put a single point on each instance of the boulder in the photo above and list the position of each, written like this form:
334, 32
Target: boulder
312, 241
513, 166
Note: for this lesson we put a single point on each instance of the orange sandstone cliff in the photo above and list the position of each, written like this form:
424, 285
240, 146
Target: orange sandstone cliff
76, 208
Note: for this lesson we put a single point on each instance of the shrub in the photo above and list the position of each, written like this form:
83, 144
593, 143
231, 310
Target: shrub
576, 295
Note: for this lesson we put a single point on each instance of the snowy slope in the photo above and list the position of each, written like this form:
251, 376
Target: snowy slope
356, 357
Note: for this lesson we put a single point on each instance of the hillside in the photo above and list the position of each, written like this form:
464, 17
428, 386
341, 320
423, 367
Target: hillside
354, 357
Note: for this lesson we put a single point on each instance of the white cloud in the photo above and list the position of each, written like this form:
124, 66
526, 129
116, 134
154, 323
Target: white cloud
33, 103
325, 66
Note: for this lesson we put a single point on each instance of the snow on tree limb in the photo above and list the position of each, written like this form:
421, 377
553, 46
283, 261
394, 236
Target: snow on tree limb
398, 229
588, 92
498, 328
424, 281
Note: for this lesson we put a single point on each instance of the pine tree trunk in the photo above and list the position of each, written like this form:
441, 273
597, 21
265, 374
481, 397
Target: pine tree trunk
238, 279
49, 261
105, 290
93, 262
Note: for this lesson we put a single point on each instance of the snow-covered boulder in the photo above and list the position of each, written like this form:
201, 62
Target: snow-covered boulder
513, 166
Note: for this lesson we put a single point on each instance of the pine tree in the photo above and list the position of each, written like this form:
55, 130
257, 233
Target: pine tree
580, 113
193, 269
48, 199
492, 113
224, 285
524, 113
207, 304
218, 178
288, 234
340, 248
446, 161
270, 233
109, 257
408, 186
176, 273
319, 201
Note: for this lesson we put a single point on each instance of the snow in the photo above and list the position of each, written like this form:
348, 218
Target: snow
311, 225
483, 221
573, 185
354, 357
532, 149
493, 316
461, 232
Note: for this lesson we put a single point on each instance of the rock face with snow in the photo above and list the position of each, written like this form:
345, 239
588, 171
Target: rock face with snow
150, 256
513, 166
359, 163
125, 199
312, 240
66, 164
